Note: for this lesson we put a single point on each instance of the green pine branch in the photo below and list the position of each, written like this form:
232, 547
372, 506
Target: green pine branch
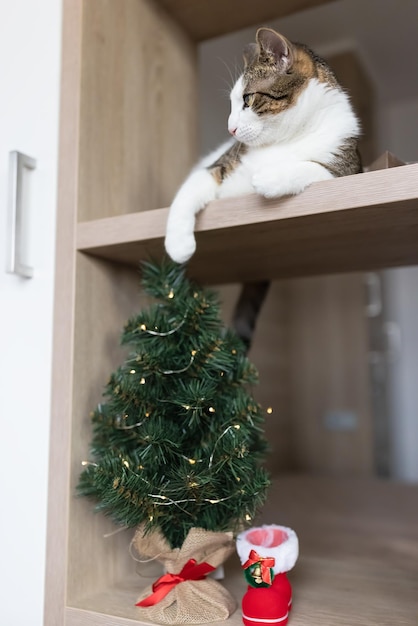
178, 440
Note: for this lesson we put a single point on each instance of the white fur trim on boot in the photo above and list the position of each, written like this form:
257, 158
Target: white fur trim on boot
270, 540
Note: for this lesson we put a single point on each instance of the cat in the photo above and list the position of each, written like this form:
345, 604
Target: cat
291, 123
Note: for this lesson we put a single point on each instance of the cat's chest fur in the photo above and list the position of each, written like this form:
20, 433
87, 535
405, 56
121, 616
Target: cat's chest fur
311, 131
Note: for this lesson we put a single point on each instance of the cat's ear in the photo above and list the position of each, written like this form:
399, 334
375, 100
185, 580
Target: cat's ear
277, 45
250, 53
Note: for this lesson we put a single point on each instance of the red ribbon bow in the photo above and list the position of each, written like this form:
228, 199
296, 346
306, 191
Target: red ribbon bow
265, 563
163, 586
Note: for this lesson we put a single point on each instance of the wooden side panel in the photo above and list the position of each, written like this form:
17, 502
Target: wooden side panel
61, 402
138, 108
331, 416
107, 296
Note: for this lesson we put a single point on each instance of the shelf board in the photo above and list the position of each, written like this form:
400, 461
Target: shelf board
357, 564
211, 18
356, 223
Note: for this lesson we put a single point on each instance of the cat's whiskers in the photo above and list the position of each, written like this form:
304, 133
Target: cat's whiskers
233, 76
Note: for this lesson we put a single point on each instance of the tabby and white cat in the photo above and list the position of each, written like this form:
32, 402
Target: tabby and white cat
291, 124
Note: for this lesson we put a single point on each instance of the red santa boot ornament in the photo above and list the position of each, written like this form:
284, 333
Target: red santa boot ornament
267, 553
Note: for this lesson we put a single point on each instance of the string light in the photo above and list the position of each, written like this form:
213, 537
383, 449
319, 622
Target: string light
132, 372
166, 334
216, 443
183, 369
119, 427
142, 381
269, 410
171, 294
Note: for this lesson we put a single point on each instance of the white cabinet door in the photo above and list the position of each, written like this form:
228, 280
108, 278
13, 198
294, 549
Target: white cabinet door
30, 34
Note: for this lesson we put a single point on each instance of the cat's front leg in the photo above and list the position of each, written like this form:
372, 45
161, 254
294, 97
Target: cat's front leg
288, 178
196, 192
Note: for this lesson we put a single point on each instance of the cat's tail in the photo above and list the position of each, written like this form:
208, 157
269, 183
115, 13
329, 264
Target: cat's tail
247, 310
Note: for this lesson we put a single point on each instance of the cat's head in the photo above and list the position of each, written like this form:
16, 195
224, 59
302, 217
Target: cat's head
276, 73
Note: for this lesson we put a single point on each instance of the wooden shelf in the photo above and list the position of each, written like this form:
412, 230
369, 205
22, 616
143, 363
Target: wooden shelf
362, 222
211, 18
357, 565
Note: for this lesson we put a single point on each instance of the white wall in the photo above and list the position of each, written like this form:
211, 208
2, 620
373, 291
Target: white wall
29, 77
401, 289
398, 125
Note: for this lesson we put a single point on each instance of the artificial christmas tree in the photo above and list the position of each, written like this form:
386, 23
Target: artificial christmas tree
178, 442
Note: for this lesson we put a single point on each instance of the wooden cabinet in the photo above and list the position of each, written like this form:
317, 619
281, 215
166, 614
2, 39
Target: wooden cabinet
128, 128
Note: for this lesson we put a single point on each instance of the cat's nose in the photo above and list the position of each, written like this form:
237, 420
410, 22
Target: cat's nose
232, 130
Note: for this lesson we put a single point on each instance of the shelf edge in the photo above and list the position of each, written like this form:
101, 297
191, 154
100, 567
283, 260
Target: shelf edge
370, 189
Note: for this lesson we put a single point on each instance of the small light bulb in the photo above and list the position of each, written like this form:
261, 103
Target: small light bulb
142, 381
126, 464
269, 410
143, 327
194, 352
192, 461
211, 409
248, 517
132, 372
237, 426
171, 294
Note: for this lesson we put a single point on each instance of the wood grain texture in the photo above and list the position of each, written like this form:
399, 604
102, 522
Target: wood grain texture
270, 354
138, 113
357, 565
362, 222
211, 18
329, 374
107, 295
62, 380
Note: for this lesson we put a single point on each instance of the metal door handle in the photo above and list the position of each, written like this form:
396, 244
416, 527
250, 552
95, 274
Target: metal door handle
17, 213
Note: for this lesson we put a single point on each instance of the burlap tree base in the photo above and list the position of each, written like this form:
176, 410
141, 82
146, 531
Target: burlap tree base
185, 594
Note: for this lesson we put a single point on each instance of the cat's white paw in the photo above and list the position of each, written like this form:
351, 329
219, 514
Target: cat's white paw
180, 246
265, 185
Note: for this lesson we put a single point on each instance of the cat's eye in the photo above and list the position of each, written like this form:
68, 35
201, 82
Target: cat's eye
248, 99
